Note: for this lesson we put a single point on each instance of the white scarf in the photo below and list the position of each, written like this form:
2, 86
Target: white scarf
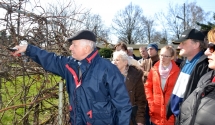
165, 72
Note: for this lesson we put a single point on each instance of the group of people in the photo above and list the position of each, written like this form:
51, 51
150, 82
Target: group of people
153, 90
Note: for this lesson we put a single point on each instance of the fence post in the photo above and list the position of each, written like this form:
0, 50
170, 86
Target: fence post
1, 103
60, 107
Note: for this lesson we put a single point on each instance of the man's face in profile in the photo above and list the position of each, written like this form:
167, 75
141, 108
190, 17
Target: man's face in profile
77, 49
152, 52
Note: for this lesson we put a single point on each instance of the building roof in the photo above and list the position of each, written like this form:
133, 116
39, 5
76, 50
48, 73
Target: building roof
135, 46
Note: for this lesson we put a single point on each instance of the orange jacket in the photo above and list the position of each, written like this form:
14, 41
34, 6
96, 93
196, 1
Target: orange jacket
156, 97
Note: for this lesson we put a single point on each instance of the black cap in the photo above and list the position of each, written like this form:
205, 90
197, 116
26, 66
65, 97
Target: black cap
84, 34
190, 34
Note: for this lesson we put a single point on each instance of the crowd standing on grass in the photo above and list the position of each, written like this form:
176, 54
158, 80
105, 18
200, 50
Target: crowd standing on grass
158, 89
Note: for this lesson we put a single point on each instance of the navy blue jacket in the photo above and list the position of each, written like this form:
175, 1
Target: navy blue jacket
99, 97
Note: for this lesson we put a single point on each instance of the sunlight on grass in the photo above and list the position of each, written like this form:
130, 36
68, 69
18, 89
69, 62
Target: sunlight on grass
33, 87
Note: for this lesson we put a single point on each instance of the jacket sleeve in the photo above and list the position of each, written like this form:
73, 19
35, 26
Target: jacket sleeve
49, 61
140, 99
119, 95
149, 88
143, 67
142, 64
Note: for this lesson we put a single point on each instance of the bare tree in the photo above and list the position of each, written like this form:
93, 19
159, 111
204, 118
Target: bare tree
180, 17
194, 14
169, 21
148, 26
94, 23
33, 99
127, 24
158, 38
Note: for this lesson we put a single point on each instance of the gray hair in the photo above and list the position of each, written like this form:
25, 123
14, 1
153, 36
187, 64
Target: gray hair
130, 49
123, 55
202, 44
143, 47
89, 43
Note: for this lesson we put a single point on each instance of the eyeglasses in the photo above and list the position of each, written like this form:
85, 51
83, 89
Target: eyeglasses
165, 56
211, 47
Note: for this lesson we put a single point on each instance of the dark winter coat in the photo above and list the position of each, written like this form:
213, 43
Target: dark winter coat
199, 107
134, 85
99, 97
199, 70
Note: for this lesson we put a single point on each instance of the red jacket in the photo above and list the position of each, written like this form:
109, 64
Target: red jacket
157, 98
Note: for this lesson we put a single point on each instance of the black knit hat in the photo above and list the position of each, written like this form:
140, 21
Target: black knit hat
83, 34
190, 34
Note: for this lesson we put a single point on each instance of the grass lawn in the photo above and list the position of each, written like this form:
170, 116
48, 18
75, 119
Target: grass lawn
21, 94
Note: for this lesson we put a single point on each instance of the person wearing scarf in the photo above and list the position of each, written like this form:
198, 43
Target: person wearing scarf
199, 107
159, 85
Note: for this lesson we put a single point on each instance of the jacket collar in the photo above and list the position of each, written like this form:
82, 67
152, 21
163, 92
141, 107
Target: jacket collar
85, 63
206, 79
202, 58
154, 59
174, 66
90, 57
197, 56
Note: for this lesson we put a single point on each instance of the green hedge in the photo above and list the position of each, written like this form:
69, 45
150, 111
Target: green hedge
106, 52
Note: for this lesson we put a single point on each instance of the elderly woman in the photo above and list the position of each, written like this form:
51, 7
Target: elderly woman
199, 107
159, 85
134, 85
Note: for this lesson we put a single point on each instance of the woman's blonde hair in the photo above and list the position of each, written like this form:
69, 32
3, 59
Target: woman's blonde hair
211, 35
170, 49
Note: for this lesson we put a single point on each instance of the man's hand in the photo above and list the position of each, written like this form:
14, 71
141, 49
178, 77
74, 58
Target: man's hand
20, 49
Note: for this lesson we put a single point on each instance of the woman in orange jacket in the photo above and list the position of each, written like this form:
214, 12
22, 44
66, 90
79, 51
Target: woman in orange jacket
159, 85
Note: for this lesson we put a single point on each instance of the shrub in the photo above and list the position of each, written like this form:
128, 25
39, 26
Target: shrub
105, 52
